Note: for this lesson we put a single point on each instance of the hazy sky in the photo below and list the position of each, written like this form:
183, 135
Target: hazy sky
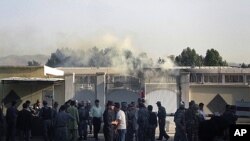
158, 27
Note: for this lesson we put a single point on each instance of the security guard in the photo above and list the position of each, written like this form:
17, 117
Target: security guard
61, 120
179, 119
162, 121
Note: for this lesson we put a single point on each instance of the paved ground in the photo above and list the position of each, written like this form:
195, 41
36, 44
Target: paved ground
90, 137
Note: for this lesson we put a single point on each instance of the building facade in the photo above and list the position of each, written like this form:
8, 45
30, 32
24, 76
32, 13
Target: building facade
213, 86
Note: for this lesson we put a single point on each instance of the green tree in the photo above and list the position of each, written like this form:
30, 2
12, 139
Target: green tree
33, 63
213, 58
243, 65
59, 58
189, 57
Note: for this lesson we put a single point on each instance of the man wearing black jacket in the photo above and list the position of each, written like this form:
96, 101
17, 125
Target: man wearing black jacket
162, 121
108, 119
152, 123
11, 117
24, 122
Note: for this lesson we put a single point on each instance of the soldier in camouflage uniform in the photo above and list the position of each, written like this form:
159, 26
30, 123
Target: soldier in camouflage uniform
179, 119
192, 121
73, 125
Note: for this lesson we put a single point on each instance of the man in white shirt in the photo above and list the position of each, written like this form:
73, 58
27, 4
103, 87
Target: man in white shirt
96, 112
201, 111
121, 122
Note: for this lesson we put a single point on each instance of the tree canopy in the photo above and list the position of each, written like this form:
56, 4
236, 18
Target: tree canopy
115, 57
213, 58
189, 57
33, 63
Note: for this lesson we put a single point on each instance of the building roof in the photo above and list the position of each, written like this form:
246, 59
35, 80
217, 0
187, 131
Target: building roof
183, 69
29, 71
31, 79
224, 70
91, 70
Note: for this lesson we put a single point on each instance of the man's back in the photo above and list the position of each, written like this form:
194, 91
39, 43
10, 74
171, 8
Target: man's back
11, 115
62, 119
24, 119
152, 119
74, 113
161, 112
46, 113
143, 116
122, 117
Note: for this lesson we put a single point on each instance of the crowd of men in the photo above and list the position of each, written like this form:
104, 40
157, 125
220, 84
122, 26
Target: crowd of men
121, 121
191, 123
73, 120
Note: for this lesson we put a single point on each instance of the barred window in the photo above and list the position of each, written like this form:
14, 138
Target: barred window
196, 77
212, 78
234, 78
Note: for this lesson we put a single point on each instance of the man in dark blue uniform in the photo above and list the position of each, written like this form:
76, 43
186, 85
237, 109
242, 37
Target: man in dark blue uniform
11, 117
60, 123
180, 127
108, 119
162, 121
46, 115
152, 124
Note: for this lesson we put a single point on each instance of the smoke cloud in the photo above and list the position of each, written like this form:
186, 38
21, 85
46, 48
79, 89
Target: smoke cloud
110, 51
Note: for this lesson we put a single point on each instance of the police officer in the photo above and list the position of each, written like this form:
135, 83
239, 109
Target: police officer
90, 120
192, 121
24, 122
46, 115
152, 124
83, 117
142, 121
11, 117
162, 121
132, 122
180, 128
61, 120
108, 119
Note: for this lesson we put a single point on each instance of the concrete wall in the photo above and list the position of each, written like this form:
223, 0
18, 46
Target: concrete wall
59, 94
100, 89
6, 72
230, 94
26, 91
69, 86
185, 89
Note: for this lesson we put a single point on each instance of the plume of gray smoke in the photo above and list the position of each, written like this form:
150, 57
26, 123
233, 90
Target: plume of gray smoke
122, 58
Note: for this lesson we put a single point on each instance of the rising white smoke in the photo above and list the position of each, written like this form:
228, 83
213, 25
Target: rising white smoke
111, 51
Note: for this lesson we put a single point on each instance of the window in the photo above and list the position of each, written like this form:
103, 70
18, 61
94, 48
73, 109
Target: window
234, 78
212, 78
248, 79
195, 77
